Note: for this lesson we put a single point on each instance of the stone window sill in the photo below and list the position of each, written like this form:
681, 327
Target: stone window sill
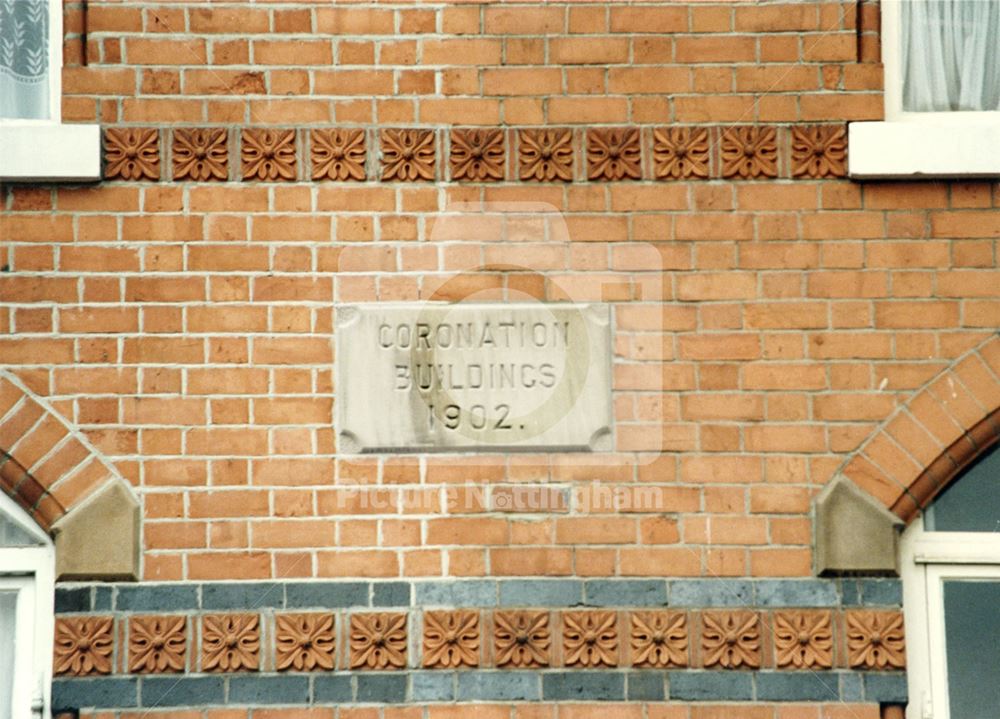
50, 152
926, 149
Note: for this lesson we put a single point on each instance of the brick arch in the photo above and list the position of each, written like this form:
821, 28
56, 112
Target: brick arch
927, 442
46, 465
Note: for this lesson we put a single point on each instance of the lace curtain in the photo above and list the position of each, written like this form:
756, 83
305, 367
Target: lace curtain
950, 55
24, 59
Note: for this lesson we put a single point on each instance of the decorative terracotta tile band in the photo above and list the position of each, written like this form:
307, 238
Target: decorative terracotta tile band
730, 639
314, 643
480, 154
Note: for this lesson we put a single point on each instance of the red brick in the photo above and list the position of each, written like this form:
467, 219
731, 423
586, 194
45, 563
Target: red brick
720, 347
147, 51
649, 19
523, 20
916, 314
588, 51
354, 21
295, 53
229, 565
223, 20
353, 82
471, 51
715, 49
777, 18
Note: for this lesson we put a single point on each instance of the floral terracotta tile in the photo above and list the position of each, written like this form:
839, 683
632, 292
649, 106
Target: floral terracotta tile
590, 639
157, 644
304, 642
875, 640
614, 154
680, 153
408, 154
131, 153
378, 641
83, 646
451, 639
338, 154
803, 639
819, 151
749, 152
546, 154
521, 638
477, 154
230, 642
730, 639
268, 154
200, 154
659, 639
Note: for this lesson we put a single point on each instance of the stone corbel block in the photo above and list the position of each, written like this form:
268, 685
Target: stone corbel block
853, 534
99, 539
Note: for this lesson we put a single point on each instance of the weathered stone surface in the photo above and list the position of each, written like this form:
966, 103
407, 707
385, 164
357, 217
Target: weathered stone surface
853, 532
473, 376
100, 538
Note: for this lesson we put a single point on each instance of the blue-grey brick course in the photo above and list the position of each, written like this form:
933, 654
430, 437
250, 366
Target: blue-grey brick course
391, 594
156, 597
583, 686
627, 593
432, 686
103, 598
850, 592
73, 599
696, 593
467, 593
711, 593
478, 685
99, 692
332, 688
645, 686
541, 593
242, 595
797, 686
800, 593
498, 686
851, 687
882, 592
181, 691
890, 688
252, 690
710, 686
327, 595
381, 688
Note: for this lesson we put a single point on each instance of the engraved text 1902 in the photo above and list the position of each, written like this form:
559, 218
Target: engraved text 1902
479, 377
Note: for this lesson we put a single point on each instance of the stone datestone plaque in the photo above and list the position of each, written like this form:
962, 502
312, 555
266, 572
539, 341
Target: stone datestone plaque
474, 377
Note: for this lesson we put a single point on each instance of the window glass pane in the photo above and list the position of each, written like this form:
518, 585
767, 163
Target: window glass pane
14, 535
8, 616
972, 502
972, 626
950, 55
24, 59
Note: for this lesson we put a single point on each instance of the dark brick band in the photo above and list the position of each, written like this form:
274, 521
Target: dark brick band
477, 685
619, 593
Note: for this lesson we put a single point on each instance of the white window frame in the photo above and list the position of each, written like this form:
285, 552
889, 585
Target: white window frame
31, 571
38, 150
926, 559
919, 145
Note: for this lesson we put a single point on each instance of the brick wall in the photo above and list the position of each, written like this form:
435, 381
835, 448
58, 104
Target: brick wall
180, 315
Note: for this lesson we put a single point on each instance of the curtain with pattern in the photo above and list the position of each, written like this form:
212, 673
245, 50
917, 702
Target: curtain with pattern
950, 55
24, 59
